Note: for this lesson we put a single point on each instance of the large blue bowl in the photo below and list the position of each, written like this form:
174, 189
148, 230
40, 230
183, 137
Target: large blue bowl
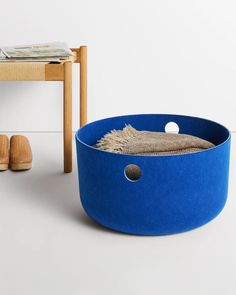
175, 193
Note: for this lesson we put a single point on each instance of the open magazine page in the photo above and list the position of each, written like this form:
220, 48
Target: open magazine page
47, 50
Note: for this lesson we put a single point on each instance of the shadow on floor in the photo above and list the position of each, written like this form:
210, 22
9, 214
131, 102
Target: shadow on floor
53, 191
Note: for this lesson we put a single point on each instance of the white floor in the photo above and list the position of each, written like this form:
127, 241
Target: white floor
48, 246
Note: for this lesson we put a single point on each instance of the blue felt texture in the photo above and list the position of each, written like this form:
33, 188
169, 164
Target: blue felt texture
175, 193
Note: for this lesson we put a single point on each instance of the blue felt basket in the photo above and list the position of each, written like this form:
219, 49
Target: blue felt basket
175, 193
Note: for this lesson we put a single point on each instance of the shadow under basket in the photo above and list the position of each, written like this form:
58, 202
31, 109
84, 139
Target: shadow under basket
153, 195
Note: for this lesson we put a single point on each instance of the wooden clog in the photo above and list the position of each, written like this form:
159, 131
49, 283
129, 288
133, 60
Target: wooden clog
20, 153
4, 152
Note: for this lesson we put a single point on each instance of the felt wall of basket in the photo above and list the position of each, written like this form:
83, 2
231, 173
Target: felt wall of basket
171, 194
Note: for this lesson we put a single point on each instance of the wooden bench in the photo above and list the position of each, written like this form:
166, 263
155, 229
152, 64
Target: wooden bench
43, 71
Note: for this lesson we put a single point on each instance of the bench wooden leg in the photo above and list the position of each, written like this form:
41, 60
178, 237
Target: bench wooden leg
83, 85
67, 117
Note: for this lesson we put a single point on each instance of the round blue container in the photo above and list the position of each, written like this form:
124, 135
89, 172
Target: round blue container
175, 193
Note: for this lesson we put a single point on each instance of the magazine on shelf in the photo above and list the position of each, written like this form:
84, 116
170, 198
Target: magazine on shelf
54, 52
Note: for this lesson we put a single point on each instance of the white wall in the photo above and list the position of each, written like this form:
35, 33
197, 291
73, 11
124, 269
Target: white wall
144, 57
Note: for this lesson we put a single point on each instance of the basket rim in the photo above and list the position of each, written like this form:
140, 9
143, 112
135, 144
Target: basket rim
77, 138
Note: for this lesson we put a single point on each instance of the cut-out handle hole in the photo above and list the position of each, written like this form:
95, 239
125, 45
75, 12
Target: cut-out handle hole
133, 172
172, 127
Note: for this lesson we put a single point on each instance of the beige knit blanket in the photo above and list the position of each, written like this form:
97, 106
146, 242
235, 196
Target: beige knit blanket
131, 141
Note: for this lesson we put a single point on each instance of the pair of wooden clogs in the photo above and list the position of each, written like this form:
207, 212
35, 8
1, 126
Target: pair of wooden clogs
15, 154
